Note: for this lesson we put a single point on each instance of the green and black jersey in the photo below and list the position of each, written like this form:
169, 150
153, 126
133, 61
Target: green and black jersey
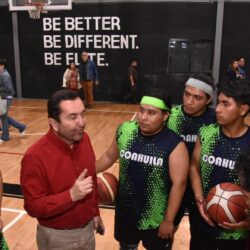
3, 244
217, 162
144, 182
186, 126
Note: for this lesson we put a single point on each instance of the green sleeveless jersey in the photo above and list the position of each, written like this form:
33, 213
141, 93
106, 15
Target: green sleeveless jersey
186, 126
217, 161
144, 181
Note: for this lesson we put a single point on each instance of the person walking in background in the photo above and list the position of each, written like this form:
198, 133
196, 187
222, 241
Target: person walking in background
233, 71
58, 179
241, 67
153, 172
88, 76
213, 161
71, 78
132, 80
7, 92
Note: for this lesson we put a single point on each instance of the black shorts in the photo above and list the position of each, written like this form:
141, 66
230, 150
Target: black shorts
130, 235
199, 241
187, 203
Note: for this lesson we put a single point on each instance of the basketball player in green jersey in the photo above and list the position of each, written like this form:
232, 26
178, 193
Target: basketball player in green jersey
153, 172
186, 120
213, 161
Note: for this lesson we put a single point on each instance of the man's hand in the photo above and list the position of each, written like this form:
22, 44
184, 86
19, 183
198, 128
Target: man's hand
201, 207
96, 82
166, 230
245, 224
82, 186
98, 225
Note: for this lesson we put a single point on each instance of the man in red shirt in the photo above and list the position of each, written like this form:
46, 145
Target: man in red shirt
58, 179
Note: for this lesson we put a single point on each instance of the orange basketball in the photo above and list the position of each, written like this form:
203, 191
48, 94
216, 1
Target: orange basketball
226, 203
107, 185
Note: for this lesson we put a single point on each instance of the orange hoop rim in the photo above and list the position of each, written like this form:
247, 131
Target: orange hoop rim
38, 5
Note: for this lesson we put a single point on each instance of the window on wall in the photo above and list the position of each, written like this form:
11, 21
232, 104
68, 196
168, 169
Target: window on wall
187, 56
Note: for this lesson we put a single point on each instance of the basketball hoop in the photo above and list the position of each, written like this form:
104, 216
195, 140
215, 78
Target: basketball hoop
36, 10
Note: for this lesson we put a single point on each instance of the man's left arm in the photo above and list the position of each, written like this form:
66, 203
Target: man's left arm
97, 220
178, 171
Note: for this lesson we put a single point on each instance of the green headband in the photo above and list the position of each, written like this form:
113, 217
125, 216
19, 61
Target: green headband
153, 101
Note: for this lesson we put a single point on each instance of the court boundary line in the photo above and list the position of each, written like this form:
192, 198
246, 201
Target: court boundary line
133, 117
88, 110
20, 213
28, 134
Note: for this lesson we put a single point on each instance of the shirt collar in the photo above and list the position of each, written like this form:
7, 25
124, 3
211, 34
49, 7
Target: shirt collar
51, 135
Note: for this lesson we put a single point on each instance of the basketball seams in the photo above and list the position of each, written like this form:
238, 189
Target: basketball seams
225, 200
100, 175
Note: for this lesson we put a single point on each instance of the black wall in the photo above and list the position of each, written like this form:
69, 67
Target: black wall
153, 23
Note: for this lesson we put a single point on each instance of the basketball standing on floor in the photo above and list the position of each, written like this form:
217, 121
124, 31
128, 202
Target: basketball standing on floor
58, 179
216, 150
153, 172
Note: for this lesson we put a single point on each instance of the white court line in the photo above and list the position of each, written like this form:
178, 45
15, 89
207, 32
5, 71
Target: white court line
93, 110
20, 107
12, 210
28, 134
133, 117
89, 110
21, 213
111, 111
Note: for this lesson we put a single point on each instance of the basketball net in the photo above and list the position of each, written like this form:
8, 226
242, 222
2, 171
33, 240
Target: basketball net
37, 9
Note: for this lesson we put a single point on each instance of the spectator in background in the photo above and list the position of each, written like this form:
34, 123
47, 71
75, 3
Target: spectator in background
233, 71
241, 66
132, 80
88, 76
7, 92
71, 78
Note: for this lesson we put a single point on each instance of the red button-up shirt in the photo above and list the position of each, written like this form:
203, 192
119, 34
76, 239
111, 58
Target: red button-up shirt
49, 170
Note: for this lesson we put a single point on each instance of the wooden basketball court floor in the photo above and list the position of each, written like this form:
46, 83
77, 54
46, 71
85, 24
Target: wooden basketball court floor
102, 121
